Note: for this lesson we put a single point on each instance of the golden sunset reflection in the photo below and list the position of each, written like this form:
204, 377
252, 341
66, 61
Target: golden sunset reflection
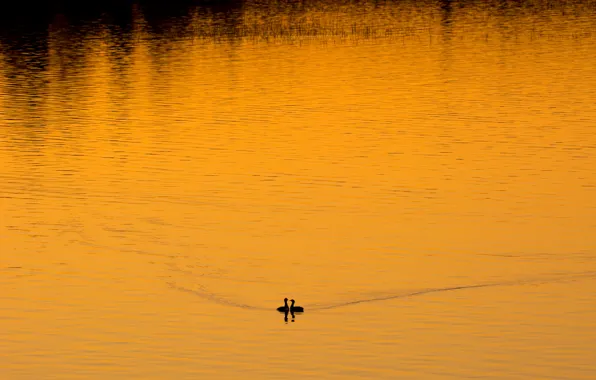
418, 175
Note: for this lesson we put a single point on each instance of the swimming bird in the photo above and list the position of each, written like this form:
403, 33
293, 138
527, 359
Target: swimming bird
298, 309
284, 307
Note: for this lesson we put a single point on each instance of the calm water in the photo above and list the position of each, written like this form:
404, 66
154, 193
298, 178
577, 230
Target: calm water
418, 175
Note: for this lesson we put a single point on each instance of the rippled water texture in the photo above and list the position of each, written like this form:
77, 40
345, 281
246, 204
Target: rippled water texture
419, 175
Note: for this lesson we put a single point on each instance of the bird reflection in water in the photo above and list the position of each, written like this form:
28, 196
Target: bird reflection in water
289, 312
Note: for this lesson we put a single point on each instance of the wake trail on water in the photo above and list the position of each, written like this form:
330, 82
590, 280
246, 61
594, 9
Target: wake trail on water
210, 296
528, 281
404, 295
555, 278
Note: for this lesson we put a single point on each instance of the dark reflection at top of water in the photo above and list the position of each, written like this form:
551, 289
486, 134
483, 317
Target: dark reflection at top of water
231, 19
60, 38
26, 47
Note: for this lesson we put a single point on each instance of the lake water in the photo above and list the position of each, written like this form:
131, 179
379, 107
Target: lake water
420, 176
